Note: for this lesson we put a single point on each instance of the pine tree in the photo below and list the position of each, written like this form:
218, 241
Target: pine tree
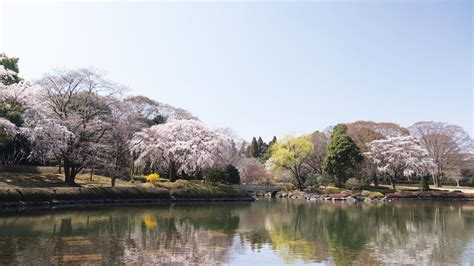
343, 155
260, 145
253, 149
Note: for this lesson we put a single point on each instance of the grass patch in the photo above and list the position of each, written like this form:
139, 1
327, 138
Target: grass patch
30, 180
31, 187
194, 189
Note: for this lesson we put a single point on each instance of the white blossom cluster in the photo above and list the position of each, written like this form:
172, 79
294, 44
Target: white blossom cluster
188, 145
399, 156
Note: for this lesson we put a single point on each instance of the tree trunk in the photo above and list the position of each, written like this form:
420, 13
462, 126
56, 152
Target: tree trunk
298, 180
69, 173
457, 182
425, 186
113, 181
59, 166
376, 180
437, 180
91, 174
173, 174
393, 181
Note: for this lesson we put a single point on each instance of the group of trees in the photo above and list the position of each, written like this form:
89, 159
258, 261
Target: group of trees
371, 151
260, 149
77, 119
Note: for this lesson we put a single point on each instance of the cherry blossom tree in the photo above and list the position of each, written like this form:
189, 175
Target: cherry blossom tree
153, 112
400, 156
252, 171
7, 129
16, 100
181, 147
74, 119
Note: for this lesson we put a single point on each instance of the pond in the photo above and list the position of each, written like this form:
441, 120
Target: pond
265, 232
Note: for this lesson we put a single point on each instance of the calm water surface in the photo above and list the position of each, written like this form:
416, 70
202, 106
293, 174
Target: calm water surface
267, 232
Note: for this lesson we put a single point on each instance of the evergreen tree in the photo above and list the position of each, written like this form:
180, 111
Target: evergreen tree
343, 155
273, 141
252, 150
10, 63
232, 175
260, 145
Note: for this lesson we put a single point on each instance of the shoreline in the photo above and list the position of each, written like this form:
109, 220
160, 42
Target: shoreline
24, 198
366, 196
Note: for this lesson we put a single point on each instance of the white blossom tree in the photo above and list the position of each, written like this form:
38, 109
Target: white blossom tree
7, 130
153, 112
400, 156
181, 147
16, 99
74, 118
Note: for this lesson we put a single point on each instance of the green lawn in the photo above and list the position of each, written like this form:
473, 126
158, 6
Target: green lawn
29, 180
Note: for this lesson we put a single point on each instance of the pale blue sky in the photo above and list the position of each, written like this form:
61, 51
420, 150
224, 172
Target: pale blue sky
264, 68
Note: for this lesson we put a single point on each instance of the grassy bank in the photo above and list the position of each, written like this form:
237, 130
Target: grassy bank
45, 180
46, 189
183, 190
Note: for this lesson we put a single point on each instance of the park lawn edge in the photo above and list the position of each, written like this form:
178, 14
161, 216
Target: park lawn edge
18, 197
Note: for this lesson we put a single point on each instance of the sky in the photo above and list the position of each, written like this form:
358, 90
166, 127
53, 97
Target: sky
263, 68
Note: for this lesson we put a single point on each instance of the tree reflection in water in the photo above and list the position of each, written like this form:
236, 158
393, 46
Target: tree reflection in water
296, 231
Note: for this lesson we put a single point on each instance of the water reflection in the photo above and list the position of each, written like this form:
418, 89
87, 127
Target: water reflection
294, 231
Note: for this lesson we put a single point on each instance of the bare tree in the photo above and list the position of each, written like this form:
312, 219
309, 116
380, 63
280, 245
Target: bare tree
448, 145
315, 160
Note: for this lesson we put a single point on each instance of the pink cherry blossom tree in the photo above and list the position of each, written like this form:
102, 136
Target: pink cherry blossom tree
74, 119
181, 147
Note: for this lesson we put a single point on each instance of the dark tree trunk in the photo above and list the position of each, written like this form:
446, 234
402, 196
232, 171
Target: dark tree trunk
113, 181
91, 174
59, 166
393, 181
425, 186
299, 181
376, 180
173, 176
437, 180
70, 172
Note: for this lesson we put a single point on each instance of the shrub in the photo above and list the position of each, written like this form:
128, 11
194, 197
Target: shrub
354, 184
311, 180
215, 175
228, 175
152, 178
232, 175
325, 180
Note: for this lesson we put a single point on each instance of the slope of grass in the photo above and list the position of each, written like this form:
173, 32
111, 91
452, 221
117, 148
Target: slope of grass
183, 189
30, 180
37, 188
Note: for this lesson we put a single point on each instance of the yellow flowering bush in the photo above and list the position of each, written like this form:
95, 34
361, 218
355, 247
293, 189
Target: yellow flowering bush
152, 178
